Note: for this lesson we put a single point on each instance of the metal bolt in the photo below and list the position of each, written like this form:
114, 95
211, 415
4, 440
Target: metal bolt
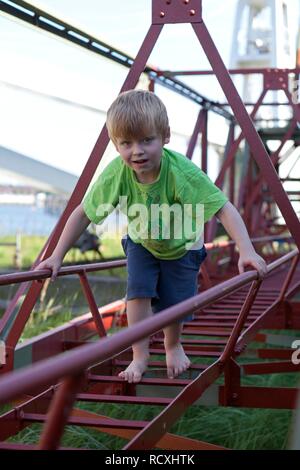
186, 2
162, 14
192, 12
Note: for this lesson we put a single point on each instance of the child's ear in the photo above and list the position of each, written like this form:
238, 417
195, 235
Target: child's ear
167, 136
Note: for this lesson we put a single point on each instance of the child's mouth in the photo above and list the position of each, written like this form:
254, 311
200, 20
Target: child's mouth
140, 162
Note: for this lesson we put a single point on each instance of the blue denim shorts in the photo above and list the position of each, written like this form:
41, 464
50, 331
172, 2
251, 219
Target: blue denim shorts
166, 282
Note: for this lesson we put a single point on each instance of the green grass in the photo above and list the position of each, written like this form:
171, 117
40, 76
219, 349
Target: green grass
61, 296
233, 428
40, 323
237, 428
32, 245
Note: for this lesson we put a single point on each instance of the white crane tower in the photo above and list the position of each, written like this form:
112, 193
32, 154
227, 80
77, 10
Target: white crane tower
263, 38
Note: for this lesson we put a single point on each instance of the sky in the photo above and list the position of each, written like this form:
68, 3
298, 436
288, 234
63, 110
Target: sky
63, 135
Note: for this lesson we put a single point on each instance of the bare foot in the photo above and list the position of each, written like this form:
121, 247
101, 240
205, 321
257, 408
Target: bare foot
177, 361
135, 370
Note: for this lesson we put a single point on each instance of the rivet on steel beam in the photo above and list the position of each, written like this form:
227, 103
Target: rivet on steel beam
192, 12
162, 14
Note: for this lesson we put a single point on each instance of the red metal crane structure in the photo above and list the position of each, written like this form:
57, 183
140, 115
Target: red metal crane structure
44, 378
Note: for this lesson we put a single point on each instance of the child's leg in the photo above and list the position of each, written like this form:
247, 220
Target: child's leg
177, 361
137, 310
177, 282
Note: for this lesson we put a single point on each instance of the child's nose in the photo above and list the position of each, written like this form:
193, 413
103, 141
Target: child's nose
137, 149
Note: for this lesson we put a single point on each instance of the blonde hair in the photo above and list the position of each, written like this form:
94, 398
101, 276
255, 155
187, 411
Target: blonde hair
135, 113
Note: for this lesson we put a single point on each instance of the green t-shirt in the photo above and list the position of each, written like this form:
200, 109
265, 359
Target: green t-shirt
187, 197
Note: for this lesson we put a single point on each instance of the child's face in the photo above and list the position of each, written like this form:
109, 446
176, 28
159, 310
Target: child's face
143, 154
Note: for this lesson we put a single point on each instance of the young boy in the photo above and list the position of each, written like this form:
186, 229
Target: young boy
164, 249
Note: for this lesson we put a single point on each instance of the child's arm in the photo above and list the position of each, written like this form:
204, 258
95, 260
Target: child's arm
76, 224
235, 227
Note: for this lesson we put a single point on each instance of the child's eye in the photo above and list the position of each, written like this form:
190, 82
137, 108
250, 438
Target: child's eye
148, 139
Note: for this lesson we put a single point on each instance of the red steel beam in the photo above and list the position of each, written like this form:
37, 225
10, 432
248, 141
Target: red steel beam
58, 414
259, 152
264, 397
